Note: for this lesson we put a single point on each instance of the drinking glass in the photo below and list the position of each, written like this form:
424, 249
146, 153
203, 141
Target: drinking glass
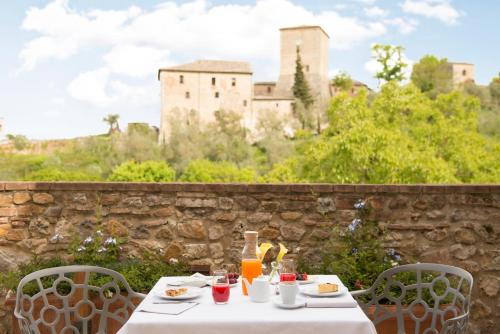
220, 286
287, 272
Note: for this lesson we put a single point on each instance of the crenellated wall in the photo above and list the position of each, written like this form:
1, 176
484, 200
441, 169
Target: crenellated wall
203, 223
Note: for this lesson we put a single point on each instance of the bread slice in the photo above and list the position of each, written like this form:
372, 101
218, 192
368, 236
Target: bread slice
328, 287
176, 292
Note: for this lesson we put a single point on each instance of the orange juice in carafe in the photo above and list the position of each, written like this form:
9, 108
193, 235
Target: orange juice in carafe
251, 266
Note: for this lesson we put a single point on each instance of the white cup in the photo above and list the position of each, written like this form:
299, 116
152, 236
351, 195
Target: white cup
288, 292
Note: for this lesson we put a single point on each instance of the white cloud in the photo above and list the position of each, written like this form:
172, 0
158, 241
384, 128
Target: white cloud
135, 42
405, 26
372, 66
438, 9
91, 87
136, 61
375, 12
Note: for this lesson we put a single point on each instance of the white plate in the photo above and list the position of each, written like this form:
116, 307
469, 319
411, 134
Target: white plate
312, 291
299, 302
192, 292
309, 281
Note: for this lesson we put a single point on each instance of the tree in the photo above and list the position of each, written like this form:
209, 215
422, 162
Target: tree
494, 88
20, 142
302, 93
343, 81
112, 120
210, 171
147, 171
432, 75
402, 136
391, 59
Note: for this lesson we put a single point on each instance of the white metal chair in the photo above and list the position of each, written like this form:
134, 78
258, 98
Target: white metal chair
446, 288
74, 299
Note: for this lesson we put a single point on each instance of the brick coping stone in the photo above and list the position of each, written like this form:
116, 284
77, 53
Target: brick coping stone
255, 187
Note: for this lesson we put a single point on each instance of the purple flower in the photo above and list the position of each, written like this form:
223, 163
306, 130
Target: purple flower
391, 252
397, 257
88, 241
354, 224
56, 238
354, 250
109, 241
81, 249
360, 204
101, 249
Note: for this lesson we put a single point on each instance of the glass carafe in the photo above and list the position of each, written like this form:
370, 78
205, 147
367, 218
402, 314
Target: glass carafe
251, 266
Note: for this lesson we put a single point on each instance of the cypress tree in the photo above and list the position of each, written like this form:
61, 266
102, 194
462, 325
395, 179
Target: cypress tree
300, 88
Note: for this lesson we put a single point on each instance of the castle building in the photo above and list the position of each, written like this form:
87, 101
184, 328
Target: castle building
462, 73
206, 86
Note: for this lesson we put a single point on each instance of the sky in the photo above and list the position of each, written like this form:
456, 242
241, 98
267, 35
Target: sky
66, 64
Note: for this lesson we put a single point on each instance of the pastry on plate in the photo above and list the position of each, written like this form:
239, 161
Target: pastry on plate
328, 287
176, 292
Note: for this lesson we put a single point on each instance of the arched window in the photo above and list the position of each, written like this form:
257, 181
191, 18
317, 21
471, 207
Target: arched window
464, 72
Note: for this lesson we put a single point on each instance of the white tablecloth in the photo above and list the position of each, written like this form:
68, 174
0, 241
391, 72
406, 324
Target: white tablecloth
241, 316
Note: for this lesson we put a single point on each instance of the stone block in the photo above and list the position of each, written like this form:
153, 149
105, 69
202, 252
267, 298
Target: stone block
196, 202
259, 217
462, 252
226, 217
8, 211
216, 250
5, 200
194, 229
196, 251
291, 215
436, 235
110, 198
165, 233
173, 251
269, 233
326, 205
43, 198
292, 233
215, 232
225, 203
163, 212
465, 236
21, 197
490, 285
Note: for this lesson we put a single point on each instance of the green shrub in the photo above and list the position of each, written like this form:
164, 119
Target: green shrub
147, 171
210, 171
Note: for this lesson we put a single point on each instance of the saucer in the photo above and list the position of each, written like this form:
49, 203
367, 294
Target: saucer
299, 302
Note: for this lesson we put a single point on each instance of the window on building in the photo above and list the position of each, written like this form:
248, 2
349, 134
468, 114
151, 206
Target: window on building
277, 105
188, 95
213, 81
269, 89
464, 72
216, 95
244, 103
181, 79
307, 68
233, 82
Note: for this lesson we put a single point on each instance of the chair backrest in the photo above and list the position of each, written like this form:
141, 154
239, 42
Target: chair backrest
427, 293
73, 299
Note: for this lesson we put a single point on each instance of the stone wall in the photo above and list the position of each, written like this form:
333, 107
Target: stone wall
458, 225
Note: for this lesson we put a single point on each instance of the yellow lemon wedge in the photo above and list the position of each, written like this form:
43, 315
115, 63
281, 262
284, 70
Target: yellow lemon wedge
263, 248
282, 253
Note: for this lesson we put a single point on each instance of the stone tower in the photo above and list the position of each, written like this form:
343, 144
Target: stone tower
312, 42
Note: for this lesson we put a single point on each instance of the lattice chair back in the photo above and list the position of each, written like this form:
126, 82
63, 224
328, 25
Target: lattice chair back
74, 300
435, 297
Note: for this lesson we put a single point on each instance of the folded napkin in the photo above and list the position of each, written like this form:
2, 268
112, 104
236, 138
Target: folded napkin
343, 301
173, 308
197, 280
